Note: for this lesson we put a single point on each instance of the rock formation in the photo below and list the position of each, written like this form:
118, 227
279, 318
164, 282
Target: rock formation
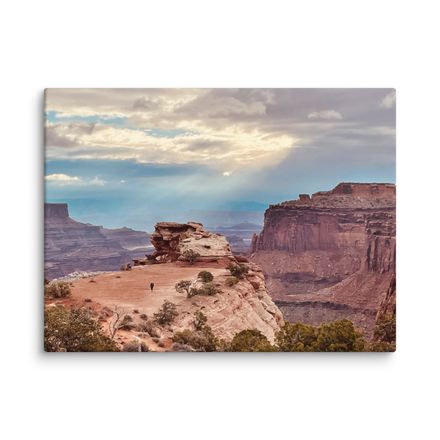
330, 255
172, 240
73, 246
246, 305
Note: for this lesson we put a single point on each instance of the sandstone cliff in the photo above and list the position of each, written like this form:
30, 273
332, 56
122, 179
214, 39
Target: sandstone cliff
172, 240
331, 255
74, 246
237, 306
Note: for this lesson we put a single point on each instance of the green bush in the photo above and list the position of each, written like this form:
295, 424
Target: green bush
200, 320
250, 340
231, 281
183, 286
334, 336
166, 313
74, 330
297, 337
339, 336
57, 289
238, 270
190, 256
208, 289
385, 329
135, 346
206, 276
203, 340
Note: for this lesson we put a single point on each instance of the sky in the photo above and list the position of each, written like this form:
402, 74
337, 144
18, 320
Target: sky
133, 157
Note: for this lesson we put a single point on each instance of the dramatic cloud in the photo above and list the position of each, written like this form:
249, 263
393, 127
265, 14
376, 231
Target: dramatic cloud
159, 151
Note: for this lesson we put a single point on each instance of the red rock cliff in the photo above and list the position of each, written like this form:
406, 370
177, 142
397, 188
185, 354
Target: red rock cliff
331, 243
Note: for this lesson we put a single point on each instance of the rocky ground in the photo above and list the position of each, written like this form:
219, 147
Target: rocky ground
245, 304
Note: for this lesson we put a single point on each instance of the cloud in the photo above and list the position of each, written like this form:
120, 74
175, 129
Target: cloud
219, 128
97, 181
63, 179
325, 114
389, 101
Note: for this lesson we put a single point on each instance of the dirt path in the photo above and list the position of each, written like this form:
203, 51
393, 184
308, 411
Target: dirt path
131, 289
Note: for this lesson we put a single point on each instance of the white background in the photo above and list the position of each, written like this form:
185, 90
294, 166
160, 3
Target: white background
224, 43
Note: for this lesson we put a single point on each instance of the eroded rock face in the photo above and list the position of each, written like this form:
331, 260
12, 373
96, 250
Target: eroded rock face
171, 241
246, 305
336, 247
71, 246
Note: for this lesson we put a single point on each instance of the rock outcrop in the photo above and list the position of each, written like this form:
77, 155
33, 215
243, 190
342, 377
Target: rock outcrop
172, 240
332, 251
71, 246
246, 305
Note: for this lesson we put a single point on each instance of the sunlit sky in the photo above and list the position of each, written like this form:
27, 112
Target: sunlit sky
132, 157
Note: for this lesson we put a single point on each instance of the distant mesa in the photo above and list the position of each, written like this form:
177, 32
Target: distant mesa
71, 246
56, 210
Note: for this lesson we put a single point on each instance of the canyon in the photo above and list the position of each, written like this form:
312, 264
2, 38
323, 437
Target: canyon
331, 255
244, 304
71, 246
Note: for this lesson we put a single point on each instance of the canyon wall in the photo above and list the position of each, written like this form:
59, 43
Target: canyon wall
71, 246
331, 254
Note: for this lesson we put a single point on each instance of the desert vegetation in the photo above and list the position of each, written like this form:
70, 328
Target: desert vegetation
206, 276
238, 270
190, 256
74, 330
57, 289
166, 313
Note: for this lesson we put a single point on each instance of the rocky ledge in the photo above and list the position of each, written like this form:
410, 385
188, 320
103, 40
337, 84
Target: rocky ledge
173, 240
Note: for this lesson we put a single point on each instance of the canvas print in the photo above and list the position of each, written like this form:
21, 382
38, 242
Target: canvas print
220, 220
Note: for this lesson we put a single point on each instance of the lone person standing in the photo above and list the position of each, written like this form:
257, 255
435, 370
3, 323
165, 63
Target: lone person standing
151, 287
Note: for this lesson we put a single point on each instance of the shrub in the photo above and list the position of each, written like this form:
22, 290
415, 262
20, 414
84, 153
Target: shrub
166, 313
231, 281
339, 336
143, 316
148, 327
297, 337
203, 340
134, 346
208, 289
183, 286
200, 320
237, 270
57, 289
181, 347
190, 256
250, 340
136, 311
206, 276
126, 323
74, 330
333, 336
385, 329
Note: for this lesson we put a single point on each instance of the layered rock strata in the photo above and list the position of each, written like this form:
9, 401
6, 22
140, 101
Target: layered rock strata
173, 240
333, 252
71, 246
